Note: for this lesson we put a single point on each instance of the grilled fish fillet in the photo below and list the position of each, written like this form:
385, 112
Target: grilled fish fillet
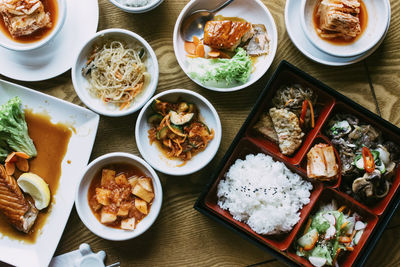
20, 213
266, 127
287, 127
22, 24
226, 34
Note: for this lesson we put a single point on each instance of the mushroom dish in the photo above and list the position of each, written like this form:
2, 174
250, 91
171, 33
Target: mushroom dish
368, 162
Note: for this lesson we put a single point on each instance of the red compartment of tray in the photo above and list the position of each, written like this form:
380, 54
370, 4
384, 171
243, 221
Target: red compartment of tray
322, 139
380, 206
325, 197
280, 242
322, 108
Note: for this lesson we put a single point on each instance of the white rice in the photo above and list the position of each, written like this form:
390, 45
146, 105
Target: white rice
134, 3
263, 193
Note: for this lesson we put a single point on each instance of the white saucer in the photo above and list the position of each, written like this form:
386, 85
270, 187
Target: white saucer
300, 40
58, 55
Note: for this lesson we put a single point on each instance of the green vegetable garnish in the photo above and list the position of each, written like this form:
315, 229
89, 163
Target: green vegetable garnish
320, 223
230, 71
3, 150
13, 128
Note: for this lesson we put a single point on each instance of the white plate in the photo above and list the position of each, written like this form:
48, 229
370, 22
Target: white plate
254, 11
299, 39
58, 55
79, 149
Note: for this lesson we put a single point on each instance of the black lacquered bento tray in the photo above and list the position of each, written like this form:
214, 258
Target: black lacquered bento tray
245, 140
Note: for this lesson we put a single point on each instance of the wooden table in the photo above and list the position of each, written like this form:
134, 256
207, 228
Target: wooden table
181, 235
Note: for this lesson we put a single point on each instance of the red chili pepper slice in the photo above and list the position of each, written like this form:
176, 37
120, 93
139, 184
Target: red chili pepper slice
303, 112
369, 163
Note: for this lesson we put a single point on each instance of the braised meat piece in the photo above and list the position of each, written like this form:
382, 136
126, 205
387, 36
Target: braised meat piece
259, 43
339, 18
227, 34
24, 17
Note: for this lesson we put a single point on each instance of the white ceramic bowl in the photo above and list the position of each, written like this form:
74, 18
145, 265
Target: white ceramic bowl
254, 11
378, 19
155, 157
8, 43
81, 84
86, 214
150, 6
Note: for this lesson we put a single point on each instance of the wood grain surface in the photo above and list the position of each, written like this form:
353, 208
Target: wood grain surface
181, 236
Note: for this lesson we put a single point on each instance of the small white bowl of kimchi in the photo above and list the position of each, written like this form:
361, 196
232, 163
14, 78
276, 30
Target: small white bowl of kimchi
119, 196
136, 6
29, 24
178, 132
345, 28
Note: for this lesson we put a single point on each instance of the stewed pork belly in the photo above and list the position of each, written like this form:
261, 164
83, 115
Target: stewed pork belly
24, 17
339, 19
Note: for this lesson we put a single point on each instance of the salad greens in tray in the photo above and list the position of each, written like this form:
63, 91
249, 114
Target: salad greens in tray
330, 233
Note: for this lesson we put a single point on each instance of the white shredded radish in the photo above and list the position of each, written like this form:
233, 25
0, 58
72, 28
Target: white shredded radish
359, 226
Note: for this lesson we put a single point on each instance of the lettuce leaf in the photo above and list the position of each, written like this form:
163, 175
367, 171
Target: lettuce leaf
222, 70
13, 128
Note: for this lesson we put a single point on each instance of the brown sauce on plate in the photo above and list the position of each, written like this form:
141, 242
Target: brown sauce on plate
363, 17
50, 6
119, 168
51, 141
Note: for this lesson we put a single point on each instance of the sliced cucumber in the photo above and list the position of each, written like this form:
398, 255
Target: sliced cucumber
205, 126
155, 119
180, 119
357, 237
308, 240
177, 128
161, 134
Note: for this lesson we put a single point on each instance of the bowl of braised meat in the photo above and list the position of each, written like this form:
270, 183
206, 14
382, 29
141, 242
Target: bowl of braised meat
345, 28
119, 196
29, 24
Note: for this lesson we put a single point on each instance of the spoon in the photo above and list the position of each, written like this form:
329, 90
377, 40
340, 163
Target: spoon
193, 24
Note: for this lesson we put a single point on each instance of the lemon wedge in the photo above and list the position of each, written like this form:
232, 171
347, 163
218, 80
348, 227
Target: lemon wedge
36, 187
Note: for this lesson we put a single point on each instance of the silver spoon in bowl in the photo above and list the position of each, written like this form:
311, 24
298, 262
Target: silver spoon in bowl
193, 24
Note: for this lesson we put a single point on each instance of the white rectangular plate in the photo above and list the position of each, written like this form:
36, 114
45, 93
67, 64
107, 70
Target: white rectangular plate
79, 149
